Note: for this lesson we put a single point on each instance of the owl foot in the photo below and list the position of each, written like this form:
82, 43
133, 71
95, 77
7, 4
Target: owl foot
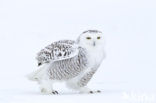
88, 91
98, 91
45, 91
55, 92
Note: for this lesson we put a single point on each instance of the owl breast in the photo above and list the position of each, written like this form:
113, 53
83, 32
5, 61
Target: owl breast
95, 57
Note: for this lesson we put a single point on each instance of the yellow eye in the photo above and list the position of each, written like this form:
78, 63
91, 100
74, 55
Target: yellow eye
99, 37
88, 38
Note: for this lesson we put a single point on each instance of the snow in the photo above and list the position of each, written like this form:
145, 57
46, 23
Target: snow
127, 75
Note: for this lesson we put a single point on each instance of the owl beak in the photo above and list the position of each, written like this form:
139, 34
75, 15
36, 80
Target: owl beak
94, 43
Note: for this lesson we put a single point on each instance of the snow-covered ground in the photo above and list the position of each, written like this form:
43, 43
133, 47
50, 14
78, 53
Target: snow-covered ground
127, 75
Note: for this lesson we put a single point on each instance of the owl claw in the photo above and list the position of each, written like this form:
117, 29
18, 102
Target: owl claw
43, 90
55, 92
98, 91
91, 92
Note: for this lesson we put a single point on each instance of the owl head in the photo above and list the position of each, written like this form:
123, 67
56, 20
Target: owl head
91, 39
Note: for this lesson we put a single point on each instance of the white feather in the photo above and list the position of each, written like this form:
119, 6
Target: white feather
94, 53
37, 74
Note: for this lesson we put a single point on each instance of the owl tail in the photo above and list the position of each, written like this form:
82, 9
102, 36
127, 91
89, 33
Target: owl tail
37, 75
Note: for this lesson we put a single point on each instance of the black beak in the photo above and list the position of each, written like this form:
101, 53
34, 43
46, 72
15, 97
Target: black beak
94, 43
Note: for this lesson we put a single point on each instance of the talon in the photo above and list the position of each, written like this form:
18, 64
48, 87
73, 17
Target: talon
98, 91
56, 92
53, 92
91, 92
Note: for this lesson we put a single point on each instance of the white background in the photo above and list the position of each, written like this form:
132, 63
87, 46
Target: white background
128, 74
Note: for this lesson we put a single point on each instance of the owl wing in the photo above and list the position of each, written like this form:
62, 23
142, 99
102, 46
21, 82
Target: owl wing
56, 51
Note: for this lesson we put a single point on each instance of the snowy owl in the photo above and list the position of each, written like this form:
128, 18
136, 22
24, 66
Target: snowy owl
74, 62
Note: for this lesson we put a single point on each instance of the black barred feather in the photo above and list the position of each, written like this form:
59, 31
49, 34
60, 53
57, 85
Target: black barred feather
57, 51
68, 68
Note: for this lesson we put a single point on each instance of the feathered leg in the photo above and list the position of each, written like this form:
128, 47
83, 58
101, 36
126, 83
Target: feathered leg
41, 76
46, 86
80, 82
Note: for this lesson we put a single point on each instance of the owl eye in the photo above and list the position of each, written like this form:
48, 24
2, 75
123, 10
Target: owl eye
88, 38
99, 37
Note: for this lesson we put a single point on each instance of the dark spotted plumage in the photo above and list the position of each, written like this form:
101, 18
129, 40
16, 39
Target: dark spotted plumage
68, 68
65, 58
57, 51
